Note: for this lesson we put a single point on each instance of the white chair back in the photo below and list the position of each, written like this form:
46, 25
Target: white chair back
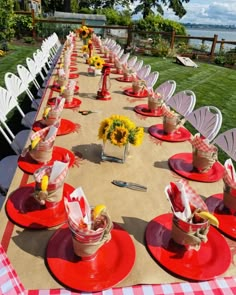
182, 102
227, 142
166, 89
206, 120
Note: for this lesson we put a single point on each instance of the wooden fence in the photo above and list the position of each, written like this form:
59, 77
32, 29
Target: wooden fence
129, 39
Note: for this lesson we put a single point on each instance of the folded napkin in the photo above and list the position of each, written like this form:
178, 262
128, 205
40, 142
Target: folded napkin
229, 178
171, 120
89, 232
187, 227
55, 178
202, 144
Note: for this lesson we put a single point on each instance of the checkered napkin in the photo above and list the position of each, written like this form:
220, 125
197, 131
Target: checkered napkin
202, 144
78, 211
47, 135
229, 174
182, 197
167, 112
57, 173
59, 105
61, 72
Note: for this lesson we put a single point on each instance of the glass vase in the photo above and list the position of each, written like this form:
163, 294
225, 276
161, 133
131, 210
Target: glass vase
114, 153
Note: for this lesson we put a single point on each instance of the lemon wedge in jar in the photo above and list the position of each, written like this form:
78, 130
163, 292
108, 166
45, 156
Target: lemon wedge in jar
44, 183
34, 142
62, 89
98, 210
207, 215
46, 111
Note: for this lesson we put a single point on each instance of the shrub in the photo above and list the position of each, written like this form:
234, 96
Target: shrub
22, 26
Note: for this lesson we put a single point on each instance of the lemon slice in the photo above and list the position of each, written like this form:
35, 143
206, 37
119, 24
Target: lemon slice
98, 210
207, 215
46, 111
62, 89
35, 142
44, 183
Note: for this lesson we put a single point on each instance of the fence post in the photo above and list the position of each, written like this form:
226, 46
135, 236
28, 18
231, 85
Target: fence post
129, 37
172, 41
33, 24
213, 46
222, 47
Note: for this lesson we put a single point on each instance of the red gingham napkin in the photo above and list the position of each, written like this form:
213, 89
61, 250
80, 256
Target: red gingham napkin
46, 170
202, 144
167, 112
229, 174
42, 133
59, 105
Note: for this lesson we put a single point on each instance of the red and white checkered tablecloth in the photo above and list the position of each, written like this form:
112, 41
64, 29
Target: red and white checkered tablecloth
9, 281
11, 285
221, 286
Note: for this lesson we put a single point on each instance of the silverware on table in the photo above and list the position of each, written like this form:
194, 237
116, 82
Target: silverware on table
131, 185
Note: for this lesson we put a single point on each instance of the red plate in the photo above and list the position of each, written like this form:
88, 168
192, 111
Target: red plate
213, 258
74, 104
73, 75
73, 69
65, 127
28, 165
130, 92
182, 164
57, 88
25, 211
227, 220
182, 134
111, 265
122, 79
143, 110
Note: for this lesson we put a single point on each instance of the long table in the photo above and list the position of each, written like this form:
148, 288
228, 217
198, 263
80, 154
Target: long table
130, 209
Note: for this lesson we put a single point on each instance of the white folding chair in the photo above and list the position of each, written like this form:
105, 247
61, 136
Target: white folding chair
28, 79
143, 72
11, 102
207, 120
35, 71
137, 66
227, 142
182, 102
7, 105
166, 89
151, 80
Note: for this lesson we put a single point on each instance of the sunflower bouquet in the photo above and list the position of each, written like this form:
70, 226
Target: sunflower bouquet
120, 130
96, 61
85, 32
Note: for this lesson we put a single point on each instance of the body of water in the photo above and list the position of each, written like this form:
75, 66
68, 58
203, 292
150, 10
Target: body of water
228, 35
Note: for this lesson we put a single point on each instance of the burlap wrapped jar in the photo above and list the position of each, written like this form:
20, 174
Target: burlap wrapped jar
171, 124
189, 234
138, 86
87, 243
204, 160
53, 117
42, 153
62, 81
154, 103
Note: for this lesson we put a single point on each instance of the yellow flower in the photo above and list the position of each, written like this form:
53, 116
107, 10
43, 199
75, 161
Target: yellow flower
85, 48
99, 64
120, 136
120, 130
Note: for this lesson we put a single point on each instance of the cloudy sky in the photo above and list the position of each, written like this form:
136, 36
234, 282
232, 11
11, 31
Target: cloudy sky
207, 12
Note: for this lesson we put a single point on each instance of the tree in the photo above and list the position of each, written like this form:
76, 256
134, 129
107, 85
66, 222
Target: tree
145, 7
6, 21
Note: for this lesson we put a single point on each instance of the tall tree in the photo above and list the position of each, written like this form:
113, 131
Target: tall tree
146, 7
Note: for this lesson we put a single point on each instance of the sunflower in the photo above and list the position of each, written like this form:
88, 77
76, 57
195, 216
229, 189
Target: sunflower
104, 129
85, 48
99, 64
119, 136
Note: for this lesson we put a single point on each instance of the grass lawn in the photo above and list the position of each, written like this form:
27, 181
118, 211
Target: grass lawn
212, 84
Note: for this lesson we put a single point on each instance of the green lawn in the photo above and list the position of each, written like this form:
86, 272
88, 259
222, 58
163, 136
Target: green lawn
213, 85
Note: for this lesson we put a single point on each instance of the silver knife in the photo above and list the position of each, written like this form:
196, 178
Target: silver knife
130, 185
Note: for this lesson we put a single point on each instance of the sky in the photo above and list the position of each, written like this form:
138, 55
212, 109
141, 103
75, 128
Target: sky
212, 12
